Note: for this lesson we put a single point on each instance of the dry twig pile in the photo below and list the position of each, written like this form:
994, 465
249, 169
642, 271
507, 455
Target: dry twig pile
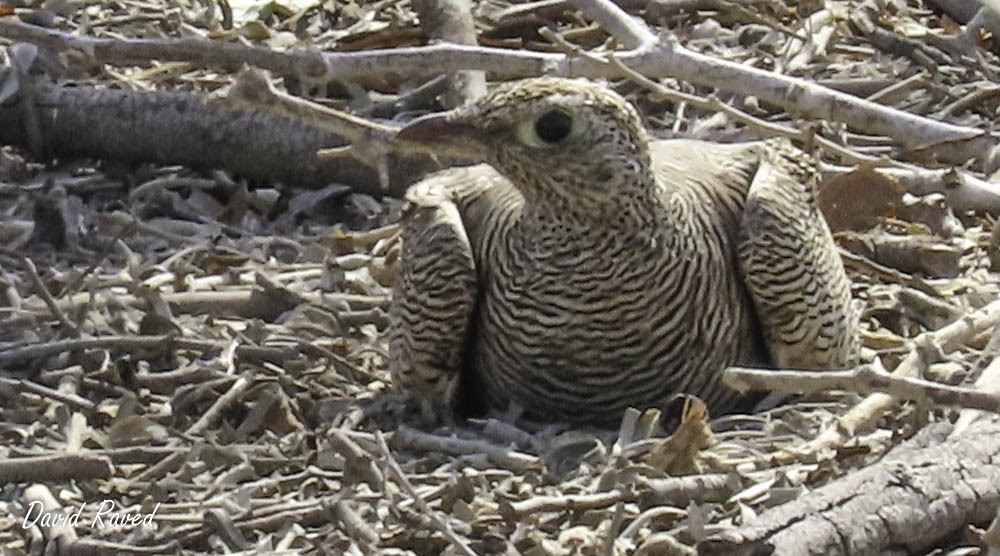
194, 302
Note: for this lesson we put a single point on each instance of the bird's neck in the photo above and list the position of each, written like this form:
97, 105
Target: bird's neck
632, 204
558, 228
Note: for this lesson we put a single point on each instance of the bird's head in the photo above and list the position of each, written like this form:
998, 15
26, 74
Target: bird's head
566, 142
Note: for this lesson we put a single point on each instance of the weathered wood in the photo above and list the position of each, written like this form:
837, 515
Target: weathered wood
921, 491
179, 128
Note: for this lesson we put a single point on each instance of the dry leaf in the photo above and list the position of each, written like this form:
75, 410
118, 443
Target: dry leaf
136, 430
860, 199
949, 25
678, 453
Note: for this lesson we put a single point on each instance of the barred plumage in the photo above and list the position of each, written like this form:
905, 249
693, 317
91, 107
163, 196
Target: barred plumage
586, 268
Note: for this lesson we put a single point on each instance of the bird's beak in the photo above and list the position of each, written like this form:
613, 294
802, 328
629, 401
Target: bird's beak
442, 134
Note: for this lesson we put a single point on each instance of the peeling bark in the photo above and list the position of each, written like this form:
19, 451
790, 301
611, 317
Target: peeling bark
178, 128
923, 490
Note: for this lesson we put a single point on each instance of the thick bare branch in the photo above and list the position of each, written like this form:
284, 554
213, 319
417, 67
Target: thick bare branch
863, 380
631, 32
451, 21
931, 479
950, 143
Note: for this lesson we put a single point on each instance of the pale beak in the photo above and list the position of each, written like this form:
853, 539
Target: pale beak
442, 134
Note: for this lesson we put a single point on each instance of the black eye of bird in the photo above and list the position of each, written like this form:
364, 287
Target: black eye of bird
553, 126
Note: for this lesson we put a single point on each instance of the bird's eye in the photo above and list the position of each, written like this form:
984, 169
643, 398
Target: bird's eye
549, 129
553, 126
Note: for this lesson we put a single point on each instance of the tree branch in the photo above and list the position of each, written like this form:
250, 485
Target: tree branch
950, 143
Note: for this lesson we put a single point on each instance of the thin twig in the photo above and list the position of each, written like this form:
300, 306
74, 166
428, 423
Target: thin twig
42, 291
71, 400
442, 526
126, 344
222, 403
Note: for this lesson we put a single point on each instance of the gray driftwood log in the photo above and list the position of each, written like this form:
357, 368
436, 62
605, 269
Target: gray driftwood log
921, 491
180, 128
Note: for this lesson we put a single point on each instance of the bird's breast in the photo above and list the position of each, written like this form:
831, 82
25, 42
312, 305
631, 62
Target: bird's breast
619, 322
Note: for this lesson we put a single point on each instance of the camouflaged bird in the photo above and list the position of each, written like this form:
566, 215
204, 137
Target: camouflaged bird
586, 268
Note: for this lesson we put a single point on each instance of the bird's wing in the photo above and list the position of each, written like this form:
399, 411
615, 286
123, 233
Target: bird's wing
435, 295
792, 268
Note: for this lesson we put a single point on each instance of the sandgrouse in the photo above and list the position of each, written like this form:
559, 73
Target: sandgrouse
586, 268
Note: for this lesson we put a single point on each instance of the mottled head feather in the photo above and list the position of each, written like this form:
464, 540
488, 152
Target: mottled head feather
602, 163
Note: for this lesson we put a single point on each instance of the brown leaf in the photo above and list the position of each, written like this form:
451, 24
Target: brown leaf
912, 254
859, 199
135, 430
678, 453
950, 26
391, 37
984, 39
